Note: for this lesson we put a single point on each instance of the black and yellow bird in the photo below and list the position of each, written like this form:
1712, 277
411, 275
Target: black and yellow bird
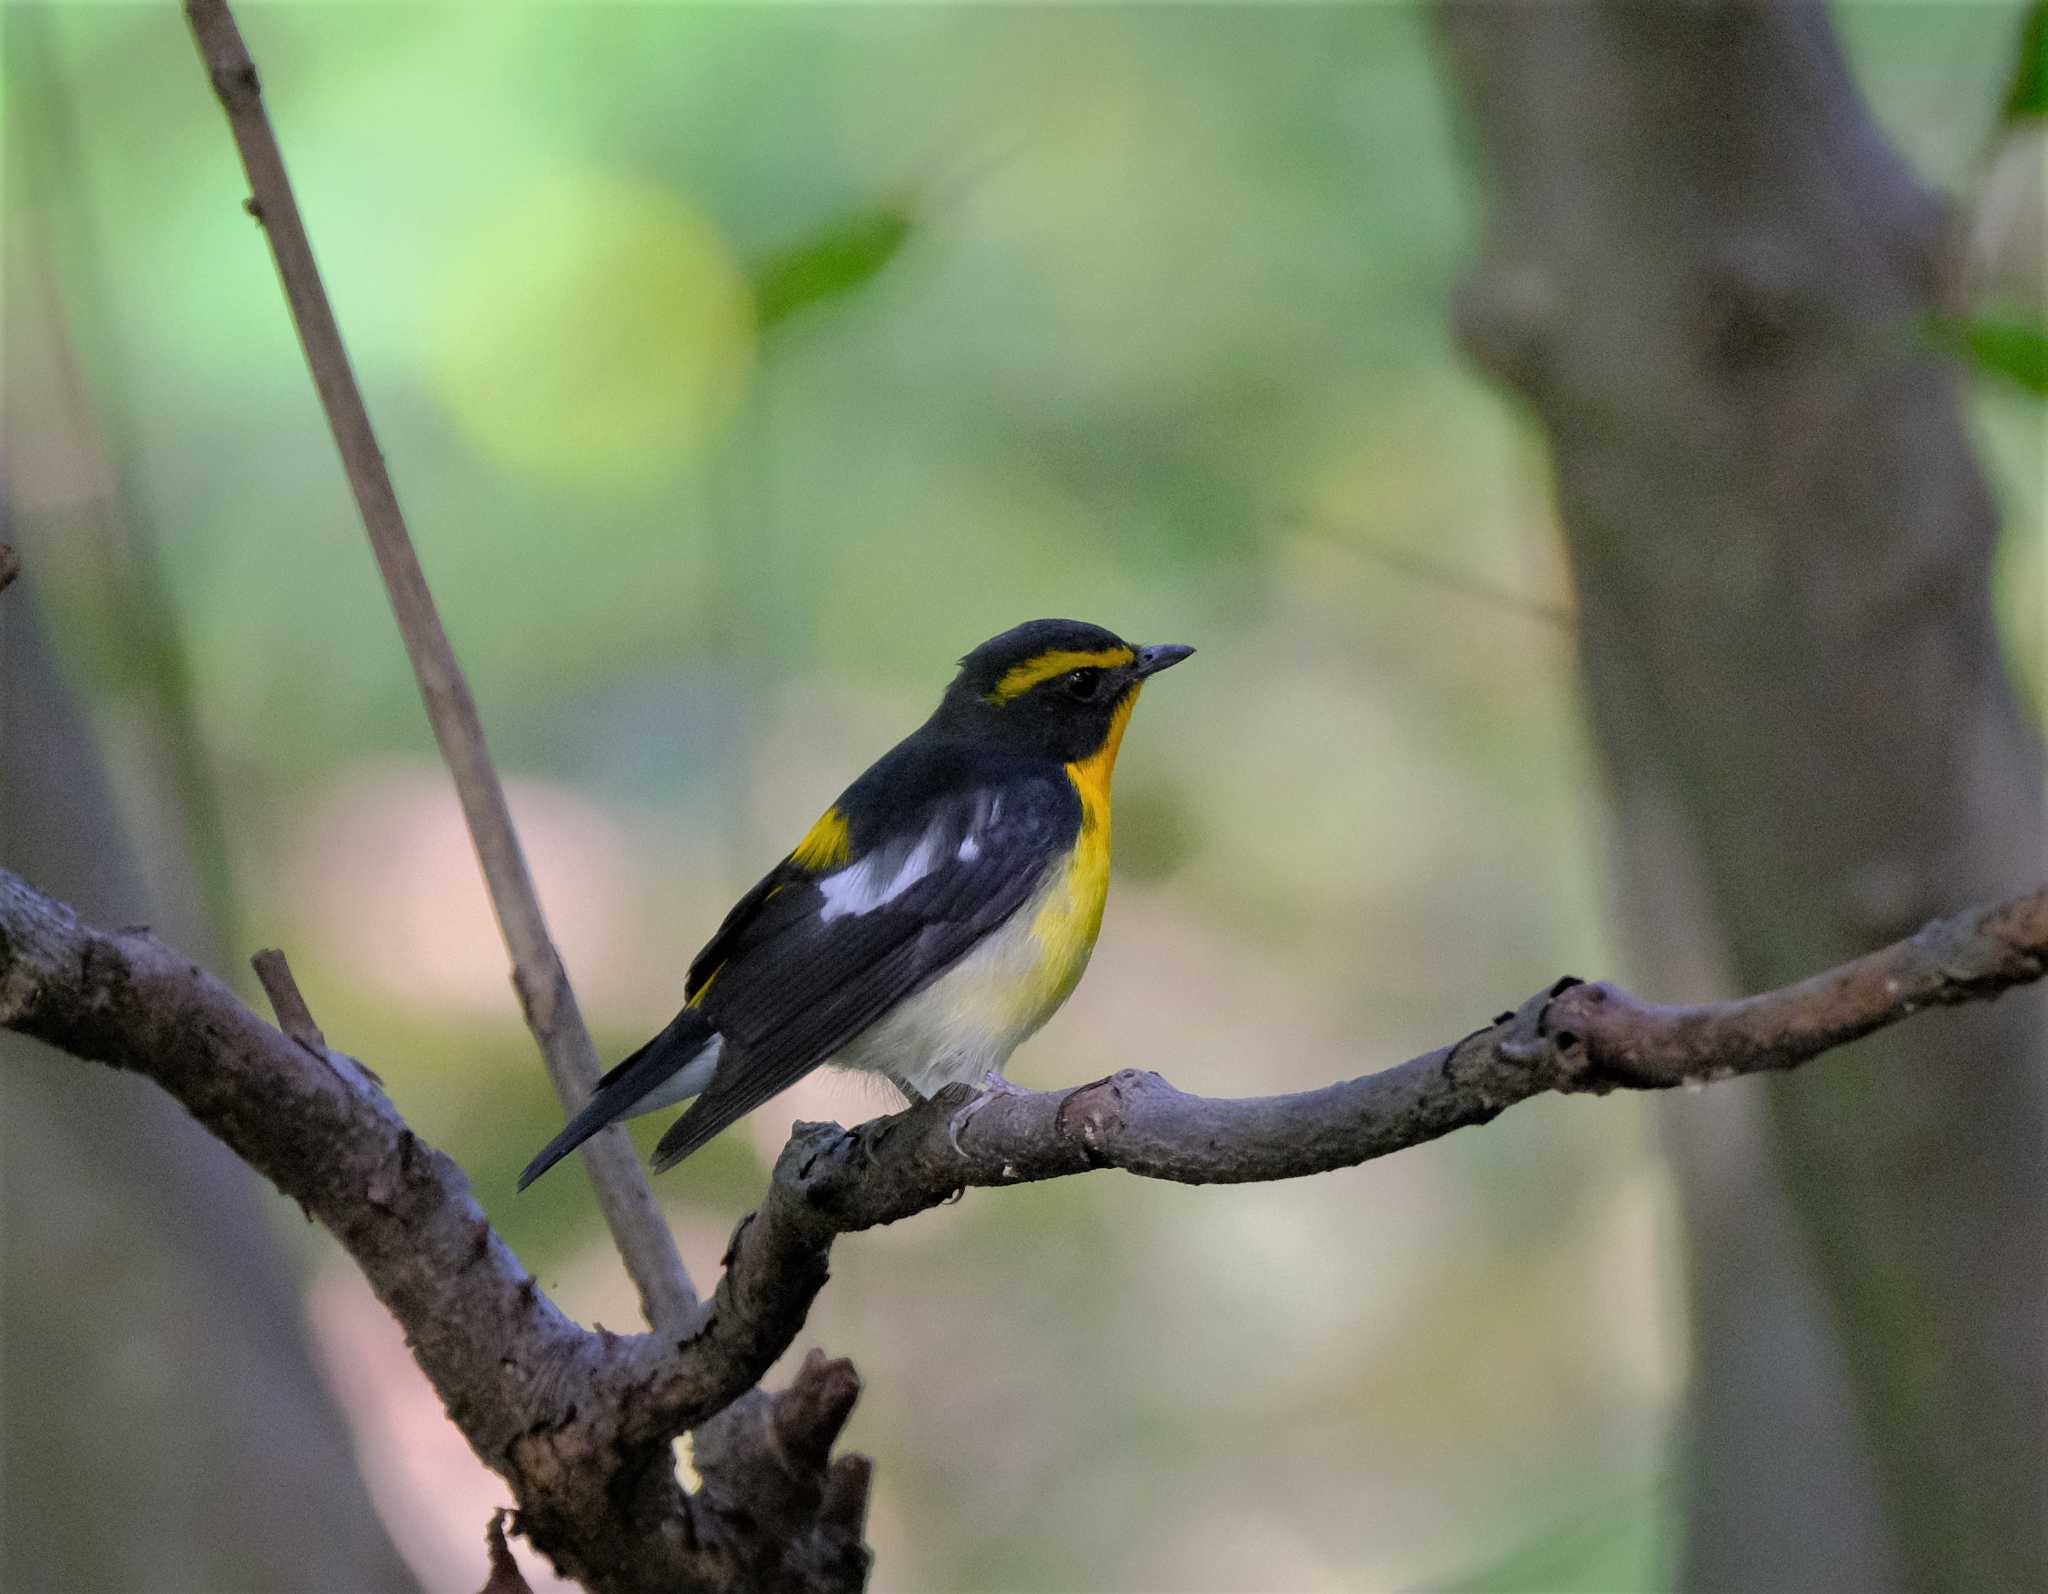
935, 916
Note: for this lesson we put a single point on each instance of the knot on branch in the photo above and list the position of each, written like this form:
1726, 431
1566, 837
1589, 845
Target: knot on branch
1506, 313
1752, 308
1516, 1055
821, 1164
541, 993
1092, 1114
1564, 1023
1978, 957
1605, 1039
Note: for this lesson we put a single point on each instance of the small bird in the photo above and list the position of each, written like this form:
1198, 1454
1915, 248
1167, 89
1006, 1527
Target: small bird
931, 920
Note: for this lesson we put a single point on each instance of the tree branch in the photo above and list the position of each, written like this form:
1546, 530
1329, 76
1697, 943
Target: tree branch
630, 1209
579, 1421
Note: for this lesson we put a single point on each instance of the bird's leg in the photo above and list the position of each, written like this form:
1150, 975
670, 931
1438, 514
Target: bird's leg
993, 1085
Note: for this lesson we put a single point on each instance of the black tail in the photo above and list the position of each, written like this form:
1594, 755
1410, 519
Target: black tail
695, 1129
621, 1090
731, 1099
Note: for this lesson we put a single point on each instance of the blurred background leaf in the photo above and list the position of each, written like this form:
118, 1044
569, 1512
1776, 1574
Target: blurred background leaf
2028, 95
2016, 350
837, 260
594, 327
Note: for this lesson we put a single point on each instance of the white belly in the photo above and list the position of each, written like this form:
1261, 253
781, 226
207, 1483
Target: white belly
966, 1023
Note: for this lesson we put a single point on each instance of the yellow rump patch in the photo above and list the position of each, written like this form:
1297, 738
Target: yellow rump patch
826, 845
1021, 678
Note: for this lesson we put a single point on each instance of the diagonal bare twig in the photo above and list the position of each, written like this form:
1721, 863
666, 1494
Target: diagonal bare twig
628, 1202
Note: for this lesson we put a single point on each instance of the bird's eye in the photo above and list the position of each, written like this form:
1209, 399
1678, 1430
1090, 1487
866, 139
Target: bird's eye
1082, 685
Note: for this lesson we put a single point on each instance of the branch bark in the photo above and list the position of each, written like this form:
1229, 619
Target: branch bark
630, 1209
579, 1422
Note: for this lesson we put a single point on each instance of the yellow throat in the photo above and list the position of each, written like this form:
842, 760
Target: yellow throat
1071, 916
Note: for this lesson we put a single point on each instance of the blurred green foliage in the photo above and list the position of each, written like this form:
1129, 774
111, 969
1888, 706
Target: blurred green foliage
1606, 1550
1158, 340
2027, 97
2013, 348
838, 259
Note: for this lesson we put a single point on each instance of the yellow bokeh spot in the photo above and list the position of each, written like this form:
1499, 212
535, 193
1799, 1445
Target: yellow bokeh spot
593, 328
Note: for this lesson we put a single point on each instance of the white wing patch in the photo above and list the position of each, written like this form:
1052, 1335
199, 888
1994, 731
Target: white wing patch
884, 875
877, 880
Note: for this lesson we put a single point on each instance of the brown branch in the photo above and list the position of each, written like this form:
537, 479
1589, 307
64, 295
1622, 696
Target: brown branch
579, 1422
10, 565
628, 1202
1574, 1037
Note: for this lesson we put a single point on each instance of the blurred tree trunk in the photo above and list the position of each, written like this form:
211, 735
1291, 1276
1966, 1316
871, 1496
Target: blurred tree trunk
1707, 272
166, 1428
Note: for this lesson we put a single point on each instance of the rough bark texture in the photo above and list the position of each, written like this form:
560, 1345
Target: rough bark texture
165, 1426
579, 1423
1707, 273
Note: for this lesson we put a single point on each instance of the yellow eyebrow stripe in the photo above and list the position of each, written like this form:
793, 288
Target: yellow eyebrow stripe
1021, 678
826, 845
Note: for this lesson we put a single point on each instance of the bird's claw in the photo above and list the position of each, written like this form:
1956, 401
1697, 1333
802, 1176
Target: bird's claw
993, 1085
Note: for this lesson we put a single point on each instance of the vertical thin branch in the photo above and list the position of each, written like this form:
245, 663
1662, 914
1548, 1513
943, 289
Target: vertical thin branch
636, 1221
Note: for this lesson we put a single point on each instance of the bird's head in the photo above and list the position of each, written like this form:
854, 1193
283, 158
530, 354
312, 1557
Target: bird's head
1057, 689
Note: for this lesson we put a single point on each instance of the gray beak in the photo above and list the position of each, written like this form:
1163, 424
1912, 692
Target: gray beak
1160, 656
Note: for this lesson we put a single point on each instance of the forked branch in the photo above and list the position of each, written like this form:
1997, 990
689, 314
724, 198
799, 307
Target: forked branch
578, 1422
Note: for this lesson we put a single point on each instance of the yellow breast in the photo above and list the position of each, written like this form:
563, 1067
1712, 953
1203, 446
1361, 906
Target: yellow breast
1069, 916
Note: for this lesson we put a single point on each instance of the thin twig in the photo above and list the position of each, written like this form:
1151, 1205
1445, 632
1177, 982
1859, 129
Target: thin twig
1447, 578
637, 1224
1460, 583
294, 1017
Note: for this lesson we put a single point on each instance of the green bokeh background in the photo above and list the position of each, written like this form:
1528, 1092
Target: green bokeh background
739, 368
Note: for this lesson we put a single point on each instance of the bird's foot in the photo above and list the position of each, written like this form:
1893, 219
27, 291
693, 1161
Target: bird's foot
993, 1086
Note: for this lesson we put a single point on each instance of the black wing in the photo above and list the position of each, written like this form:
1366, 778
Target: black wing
816, 958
